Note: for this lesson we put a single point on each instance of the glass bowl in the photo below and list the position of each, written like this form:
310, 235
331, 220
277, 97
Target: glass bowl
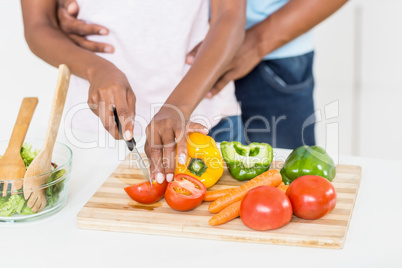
13, 206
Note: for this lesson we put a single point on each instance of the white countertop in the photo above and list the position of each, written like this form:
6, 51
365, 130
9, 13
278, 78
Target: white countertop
373, 239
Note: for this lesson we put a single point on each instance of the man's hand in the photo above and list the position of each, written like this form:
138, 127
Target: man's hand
166, 138
246, 58
284, 25
77, 30
110, 88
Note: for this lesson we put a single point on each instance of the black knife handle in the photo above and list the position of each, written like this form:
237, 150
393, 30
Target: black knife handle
131, 143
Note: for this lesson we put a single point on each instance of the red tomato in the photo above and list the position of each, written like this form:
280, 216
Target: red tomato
145, 194
185, 192
265, 208
311, 196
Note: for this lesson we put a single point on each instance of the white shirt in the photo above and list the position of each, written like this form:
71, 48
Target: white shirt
151, 39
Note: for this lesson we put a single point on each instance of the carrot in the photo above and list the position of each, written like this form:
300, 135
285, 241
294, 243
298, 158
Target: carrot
268, 178
283, 187
213, 195
229, 213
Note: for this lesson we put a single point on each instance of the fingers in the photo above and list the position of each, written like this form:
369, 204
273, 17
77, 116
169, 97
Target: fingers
219, 85
169, 153
105, 113
166, 139
79, 27
131, 102
91, 45
102, 102
181, 146
130, 98
71, 25
125, 116
191, 55
154, 151
196, 127
70, 6
101, 105
181, 140
93, 103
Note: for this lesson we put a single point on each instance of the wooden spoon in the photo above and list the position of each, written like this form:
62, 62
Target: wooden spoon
12, 166
42, 162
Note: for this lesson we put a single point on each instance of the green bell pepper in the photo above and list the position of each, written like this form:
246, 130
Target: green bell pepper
246, 161
308, 160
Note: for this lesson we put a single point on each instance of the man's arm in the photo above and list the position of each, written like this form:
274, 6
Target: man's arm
287, 23
46, 41
109, 87
292, 20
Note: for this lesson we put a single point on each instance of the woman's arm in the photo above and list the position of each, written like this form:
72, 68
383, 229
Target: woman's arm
108, 85
165, 133
226, 34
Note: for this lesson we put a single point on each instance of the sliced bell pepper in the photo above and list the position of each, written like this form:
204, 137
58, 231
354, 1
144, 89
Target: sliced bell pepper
246, 161
204, 160
308, 160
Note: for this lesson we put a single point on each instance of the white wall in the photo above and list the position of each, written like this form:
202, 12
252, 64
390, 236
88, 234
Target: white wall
334, 73
381, 109
22, 74
369, 116
359, 55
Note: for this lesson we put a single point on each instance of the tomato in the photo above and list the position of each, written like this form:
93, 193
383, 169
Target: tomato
265, 208
311, 196
185, 192
145, 194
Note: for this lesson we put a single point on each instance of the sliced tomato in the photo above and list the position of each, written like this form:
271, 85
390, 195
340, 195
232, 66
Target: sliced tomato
145, 194
185, 192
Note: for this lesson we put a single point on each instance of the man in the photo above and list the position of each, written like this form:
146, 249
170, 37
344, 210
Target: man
272, 69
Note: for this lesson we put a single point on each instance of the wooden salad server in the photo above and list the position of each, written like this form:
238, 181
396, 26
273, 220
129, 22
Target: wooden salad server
12, 166
42, 163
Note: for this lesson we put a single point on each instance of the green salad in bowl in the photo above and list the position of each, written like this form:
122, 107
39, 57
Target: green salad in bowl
13, 206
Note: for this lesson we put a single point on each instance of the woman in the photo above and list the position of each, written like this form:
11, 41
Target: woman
147, 72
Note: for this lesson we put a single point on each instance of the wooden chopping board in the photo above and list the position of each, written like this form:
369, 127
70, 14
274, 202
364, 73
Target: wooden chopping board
110, 209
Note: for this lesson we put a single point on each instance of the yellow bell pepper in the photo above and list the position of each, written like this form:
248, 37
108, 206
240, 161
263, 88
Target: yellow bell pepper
204, 160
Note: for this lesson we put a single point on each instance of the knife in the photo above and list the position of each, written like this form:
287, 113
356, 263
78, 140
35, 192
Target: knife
131, 144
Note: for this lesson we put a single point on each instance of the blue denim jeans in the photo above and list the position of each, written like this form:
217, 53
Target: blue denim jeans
228, 129
276, 100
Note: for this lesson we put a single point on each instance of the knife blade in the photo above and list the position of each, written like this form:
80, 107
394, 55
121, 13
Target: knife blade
131, 144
